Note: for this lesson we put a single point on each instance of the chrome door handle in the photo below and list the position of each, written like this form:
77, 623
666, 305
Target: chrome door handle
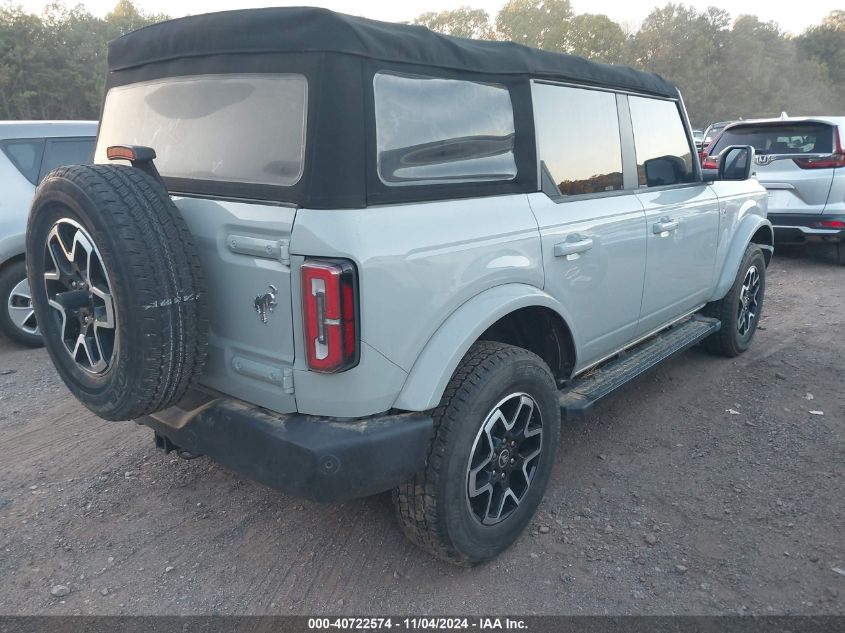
572, 247
665, 225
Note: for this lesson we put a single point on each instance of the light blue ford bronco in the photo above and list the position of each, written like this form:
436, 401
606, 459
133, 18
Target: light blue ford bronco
344, 257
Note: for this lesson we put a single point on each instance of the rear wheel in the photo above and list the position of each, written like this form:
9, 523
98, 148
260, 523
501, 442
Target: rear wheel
117, 289
740, 310
496, 431
17, 316
840, 253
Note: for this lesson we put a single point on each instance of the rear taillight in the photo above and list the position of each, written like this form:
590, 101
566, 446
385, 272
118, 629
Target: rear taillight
710, 162
836, 159
831, 224
330, 314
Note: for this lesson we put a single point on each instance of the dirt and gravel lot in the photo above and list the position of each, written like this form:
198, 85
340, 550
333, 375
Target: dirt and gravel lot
707, 486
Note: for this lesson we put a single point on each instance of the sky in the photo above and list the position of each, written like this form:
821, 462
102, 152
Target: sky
792, 15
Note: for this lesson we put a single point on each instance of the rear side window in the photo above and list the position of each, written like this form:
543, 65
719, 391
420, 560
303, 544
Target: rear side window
432, 130
60, 152
578, 138
230, 128
664, 156
779, 138
25, 155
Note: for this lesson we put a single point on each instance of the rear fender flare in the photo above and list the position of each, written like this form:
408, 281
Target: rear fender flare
438, 360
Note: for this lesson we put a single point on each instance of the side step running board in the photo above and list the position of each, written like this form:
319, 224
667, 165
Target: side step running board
578, 398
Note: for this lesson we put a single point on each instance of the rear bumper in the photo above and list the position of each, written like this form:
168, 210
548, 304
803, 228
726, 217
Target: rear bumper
799, 228
322, 459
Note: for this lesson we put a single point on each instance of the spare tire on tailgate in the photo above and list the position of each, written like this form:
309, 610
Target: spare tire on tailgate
117, 288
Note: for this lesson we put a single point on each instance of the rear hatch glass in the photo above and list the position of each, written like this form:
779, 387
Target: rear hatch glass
793, 188
779, 138
234, 128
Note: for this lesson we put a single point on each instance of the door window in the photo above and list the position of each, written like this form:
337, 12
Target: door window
578, 138
664, 155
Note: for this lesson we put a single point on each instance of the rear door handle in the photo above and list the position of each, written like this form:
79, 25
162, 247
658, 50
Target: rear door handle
573, 246
665, 225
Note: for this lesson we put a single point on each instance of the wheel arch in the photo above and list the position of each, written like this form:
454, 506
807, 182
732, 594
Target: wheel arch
503, 314
752, 229
14, 259
12, 249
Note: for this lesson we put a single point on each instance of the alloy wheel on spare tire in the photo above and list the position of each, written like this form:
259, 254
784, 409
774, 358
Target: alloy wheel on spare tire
496, 432
117, 289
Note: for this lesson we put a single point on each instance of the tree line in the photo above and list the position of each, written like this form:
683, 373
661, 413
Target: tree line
725, 69
53, 65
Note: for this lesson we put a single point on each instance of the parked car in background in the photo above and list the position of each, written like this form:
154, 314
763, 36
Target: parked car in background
801, 162
29, 150
712, 131
698, 138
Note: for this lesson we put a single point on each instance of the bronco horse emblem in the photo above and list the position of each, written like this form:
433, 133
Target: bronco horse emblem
264, 304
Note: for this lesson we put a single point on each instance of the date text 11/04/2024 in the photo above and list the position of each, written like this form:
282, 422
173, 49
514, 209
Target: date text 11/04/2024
421, 623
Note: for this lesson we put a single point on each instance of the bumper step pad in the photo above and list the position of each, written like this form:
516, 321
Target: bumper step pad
579, 398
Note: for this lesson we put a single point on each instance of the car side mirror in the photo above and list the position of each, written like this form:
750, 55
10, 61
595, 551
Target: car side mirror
663, 170
735, 162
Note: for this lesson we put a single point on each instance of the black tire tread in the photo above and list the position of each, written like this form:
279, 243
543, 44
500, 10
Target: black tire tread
415, 501
160, 253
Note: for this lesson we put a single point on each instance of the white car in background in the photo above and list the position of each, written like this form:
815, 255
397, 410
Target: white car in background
29, 150
801, 163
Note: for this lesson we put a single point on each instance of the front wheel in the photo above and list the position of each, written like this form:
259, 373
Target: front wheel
496, 431
740, 310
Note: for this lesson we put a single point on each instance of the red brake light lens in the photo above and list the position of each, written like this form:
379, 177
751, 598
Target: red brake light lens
836, 159
710, 162
831, 224
330, 315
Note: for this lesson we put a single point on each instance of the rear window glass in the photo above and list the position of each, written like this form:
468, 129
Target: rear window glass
62, 152
25, 155
779, 138
230, 128
432, 130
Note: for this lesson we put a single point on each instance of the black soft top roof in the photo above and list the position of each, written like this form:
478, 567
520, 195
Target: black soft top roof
306, 29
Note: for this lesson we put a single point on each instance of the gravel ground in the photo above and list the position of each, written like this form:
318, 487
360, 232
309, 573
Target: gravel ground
706, 487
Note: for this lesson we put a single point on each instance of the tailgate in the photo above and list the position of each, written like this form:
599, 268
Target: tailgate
792, 189
243, 249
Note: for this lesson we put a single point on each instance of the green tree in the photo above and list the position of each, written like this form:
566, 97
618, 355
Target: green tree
125, 17
461, 22
53, 66
596, 37
684, 46
540, 23
825, 43
763, 73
